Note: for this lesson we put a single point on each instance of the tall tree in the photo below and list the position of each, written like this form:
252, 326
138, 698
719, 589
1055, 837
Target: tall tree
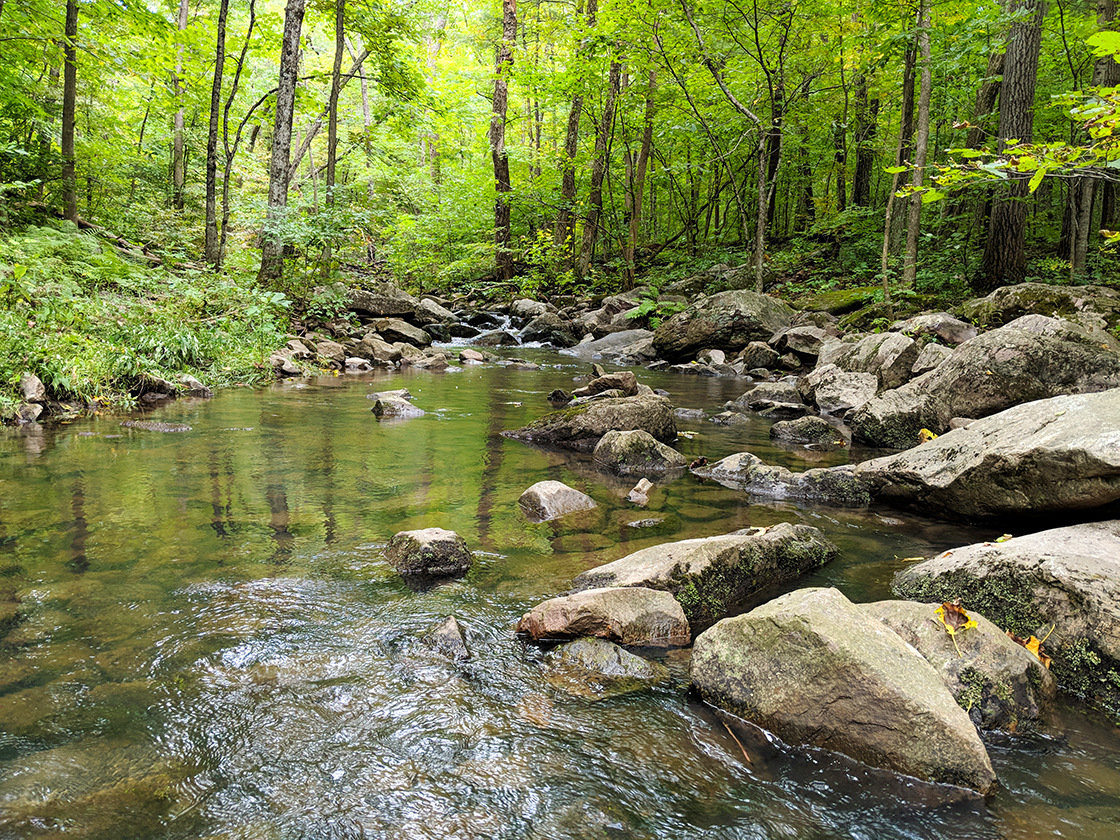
867, 116
272, 244
332, 121
636, 181
921, 145
564, 230
1005, 260
69, 111
178, 150
503, 65
599, 163
213, 246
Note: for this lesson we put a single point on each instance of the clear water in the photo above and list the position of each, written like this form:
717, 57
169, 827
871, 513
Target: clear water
199, 638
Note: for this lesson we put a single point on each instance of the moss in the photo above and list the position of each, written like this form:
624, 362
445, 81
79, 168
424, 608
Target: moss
839, 301
1005, 600
1081, 668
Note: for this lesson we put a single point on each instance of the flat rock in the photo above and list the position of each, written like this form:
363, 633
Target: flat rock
836, 391
939, 325
840, 486
382, 299
711, 575
395, 407
623, 380
626, 615
813, 670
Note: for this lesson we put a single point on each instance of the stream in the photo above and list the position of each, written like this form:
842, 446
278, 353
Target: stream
199, 637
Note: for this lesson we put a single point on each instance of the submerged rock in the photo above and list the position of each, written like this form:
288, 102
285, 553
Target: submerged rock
548, 500
636, 453
596, 669
1065, 582
395, 407
156, 426
813, 670
580, 427
448, 639
627, 615
1050, 455
806, 430
710, 576
840, 486
639, 495
429, 551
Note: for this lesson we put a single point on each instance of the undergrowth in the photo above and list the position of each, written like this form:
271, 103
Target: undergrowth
89, 323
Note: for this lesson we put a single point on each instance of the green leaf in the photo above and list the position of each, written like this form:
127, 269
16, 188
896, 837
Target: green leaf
929, 196
1036, 179
1104, 43
895, 170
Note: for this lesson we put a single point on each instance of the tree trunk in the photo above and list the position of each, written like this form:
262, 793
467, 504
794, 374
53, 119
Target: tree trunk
1106, 73
231, 150
986, 98
213, 247
806, 205
906, 136
332, 119
503, 256
564, 232
317, 124
867, 117
599, 165
1005, 260
69, 110
637, 184
840, 157
272, 243
178, 167
921, 145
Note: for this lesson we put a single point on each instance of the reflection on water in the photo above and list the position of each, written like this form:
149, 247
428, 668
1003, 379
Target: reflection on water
199, 637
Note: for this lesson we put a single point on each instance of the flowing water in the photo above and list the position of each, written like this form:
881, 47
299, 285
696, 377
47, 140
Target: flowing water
199, 637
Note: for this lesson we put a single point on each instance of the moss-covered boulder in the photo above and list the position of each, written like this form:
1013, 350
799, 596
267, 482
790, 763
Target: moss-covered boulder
710, 576
1064, 582
581, 426
836, 486
428, 551
811, 668
1096, 308
807, 430
636, 452
728, 321
839, 301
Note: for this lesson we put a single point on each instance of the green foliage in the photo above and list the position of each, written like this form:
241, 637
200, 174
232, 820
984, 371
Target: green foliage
544, 272
89, 323
652, 309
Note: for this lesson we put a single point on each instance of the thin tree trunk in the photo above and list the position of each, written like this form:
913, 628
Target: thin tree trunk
637, 185
332, 120
213, 247
503, 256
564, 232
1005, 260
231, 151
986, 98
910, 261
178, 167
272, 244
599, 165
69, 110
1106, 73
867, 117
317, 125
906, 136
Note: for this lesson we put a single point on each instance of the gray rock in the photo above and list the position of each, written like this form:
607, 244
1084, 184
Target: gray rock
356, 364
765, 394
32, 388
427, 311
383, 299
548, 500
397, 394
622, 343
840, 486
710, 576
549, 328
813, 670
299, 350
193, 387
1051, 455
434, 552
639, 495
711, 357
525, 308
806, 430
29, 413
803, 340
999, 683
395, 407
596, 669
156, 426
1096, 308
931, 356
496, 338
939, 325
758, 354
636, 453
890, 356
626, 615
331, 350
1064, 581
374, 349
836, 391
448, 639
728, 320
470, 356
580, 427
394, 330
623, 380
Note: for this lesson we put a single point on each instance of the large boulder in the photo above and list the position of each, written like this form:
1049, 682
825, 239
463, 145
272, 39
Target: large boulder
429, 312
395, 407
1096, 308
814, 670
807, 430
429, 551
373, 348
998, 682
838, 486
549, 328
728, 320
993, 371
636, 453
711, 575
836, 391
580, 427
622, 343
889, 356
381, 299
394, 330
622, 380
548, 500
1050, 455
1064, 582
939, 325
628, 615
759, 354
526, 308
766, 394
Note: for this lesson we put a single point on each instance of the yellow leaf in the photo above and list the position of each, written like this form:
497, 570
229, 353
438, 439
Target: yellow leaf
925, 436
1004, 538
954, 619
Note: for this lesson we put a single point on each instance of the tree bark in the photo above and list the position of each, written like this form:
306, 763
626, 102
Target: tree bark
637, 184
503, 256
1106, 73
564, 232
69, 110
332, 119
867, 117
272, 244
1005, 260
178, 161
231, 151
599, 165
921, 145
986, 98
213, 247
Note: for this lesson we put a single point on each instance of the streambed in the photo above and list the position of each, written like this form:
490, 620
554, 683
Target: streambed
199, 637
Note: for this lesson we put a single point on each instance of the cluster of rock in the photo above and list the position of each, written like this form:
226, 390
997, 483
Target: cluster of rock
148, 390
